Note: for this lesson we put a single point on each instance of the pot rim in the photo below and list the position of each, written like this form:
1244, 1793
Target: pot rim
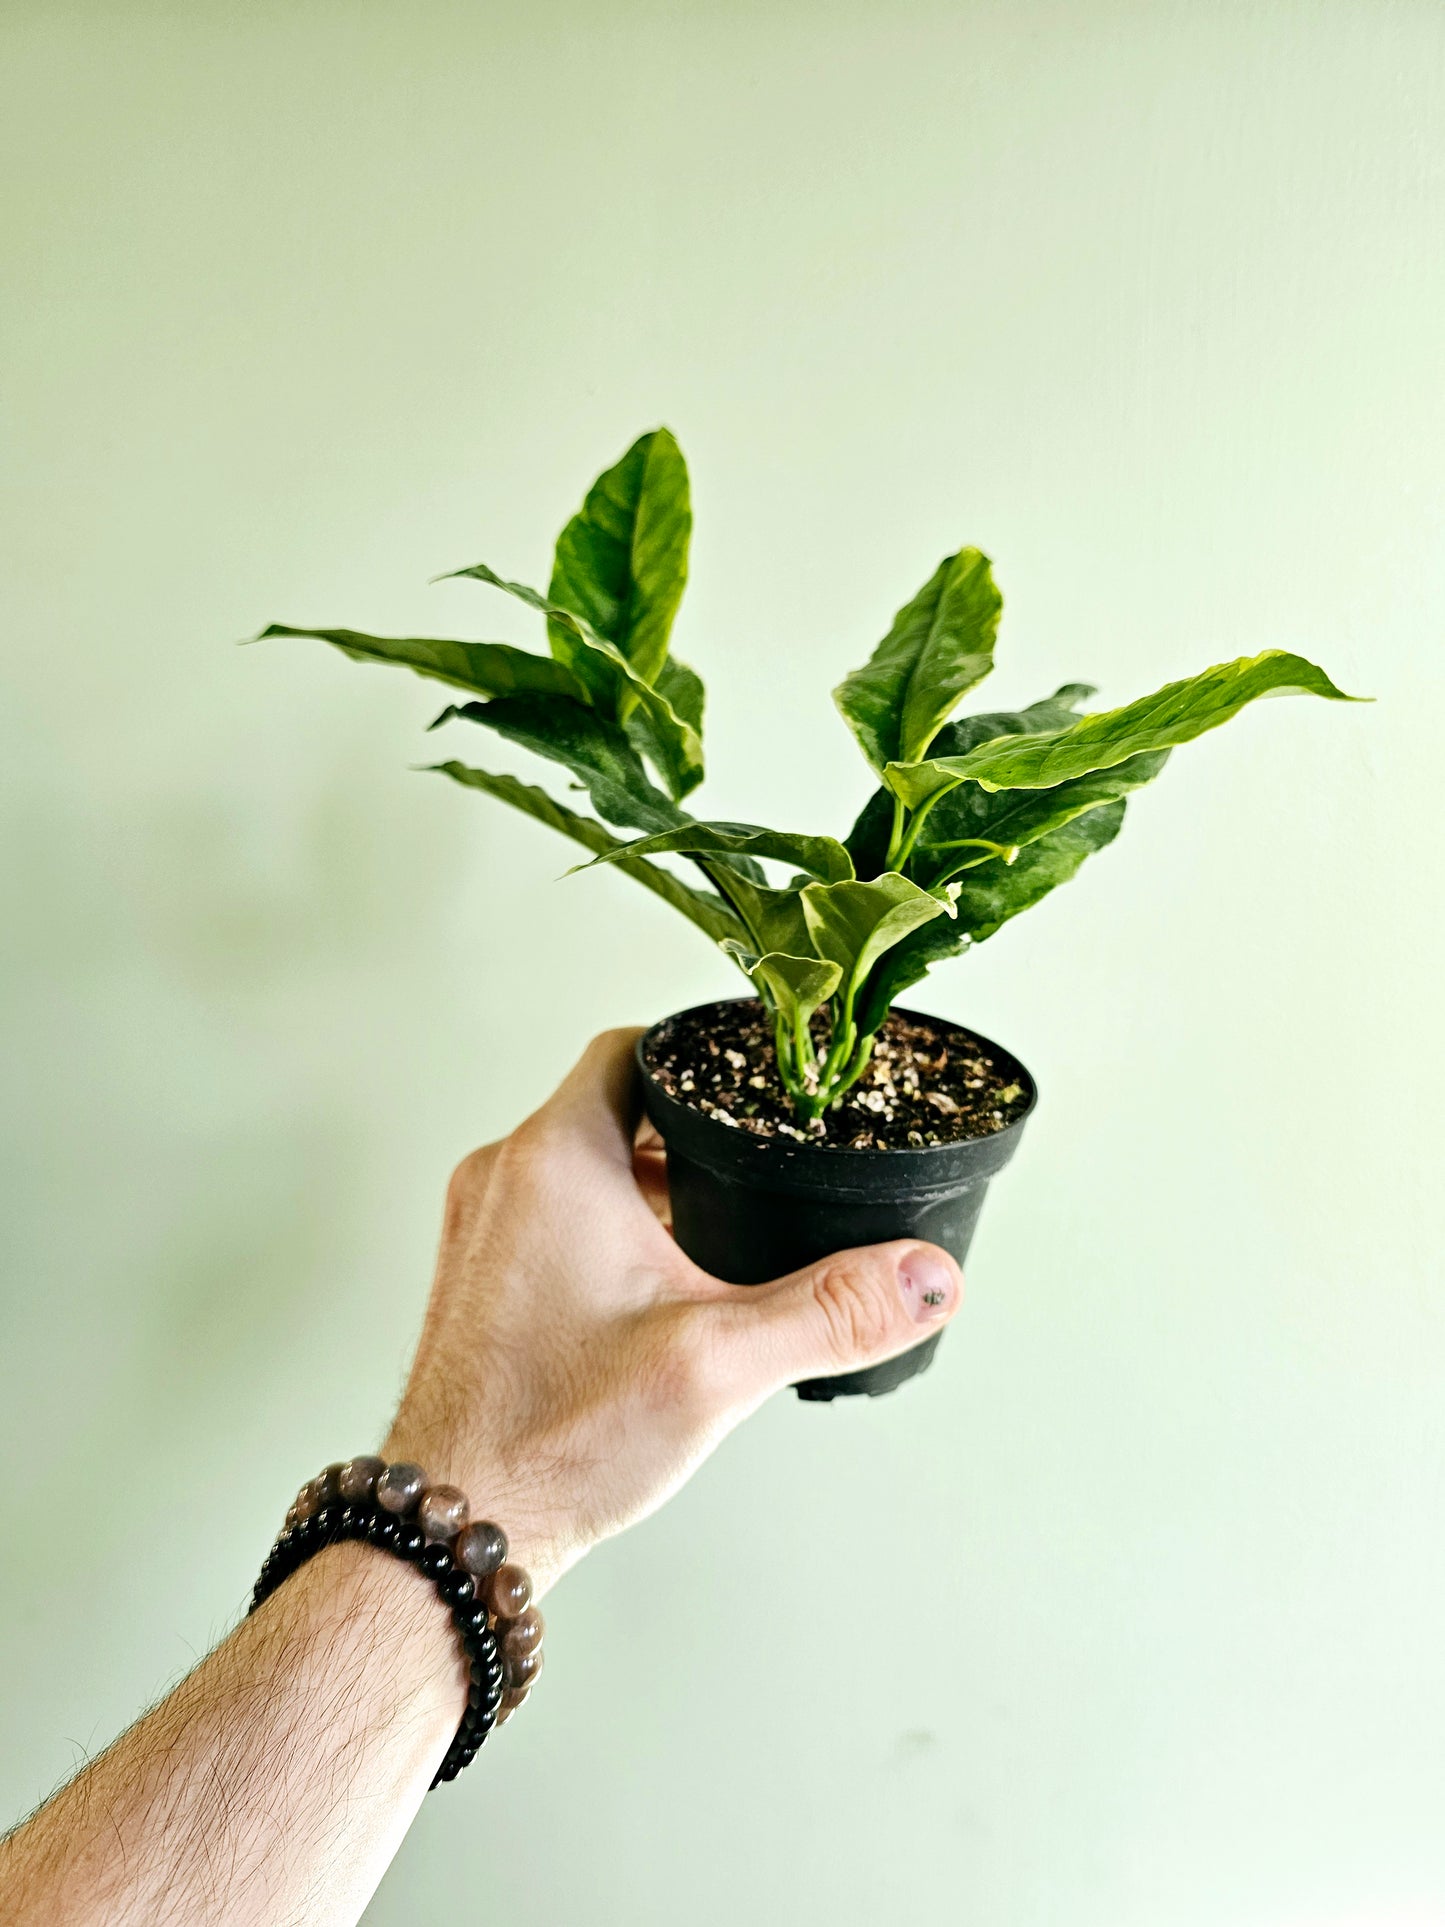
913, 1169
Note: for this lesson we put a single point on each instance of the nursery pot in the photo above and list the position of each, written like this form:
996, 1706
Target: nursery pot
750, 1209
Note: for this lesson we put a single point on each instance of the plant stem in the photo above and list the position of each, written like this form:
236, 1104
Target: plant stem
785, 1050
856, 1065
804, 1058
844, 1034
916, 822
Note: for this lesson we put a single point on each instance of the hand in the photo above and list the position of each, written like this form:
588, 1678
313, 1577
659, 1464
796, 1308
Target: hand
575, 1367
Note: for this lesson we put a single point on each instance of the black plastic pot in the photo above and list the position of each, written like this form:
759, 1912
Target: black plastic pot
750, 1209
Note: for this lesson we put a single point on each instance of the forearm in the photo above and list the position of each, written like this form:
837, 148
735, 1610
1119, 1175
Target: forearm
275, 1783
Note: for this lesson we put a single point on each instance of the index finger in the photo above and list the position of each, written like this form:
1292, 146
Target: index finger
600, 1099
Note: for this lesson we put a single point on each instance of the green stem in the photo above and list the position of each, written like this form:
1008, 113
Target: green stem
905, 848
841, 1052
854, 1068
804, 1058
785, 1047
844, 1035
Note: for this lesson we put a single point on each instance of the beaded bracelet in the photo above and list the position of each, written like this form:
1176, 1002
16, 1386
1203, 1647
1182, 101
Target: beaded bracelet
490, 1600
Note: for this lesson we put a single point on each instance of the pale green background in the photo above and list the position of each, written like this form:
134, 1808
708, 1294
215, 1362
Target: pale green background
1133, 1612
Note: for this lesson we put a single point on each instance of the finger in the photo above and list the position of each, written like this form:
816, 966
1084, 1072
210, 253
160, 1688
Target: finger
846, 1311
600, 1099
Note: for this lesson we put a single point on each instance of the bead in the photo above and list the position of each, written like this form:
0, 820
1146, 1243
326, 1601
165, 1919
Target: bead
442, 1512
508, 1592
522, 1670
400, 1486
489, 1599
510, 1702
522, 1634
486, 1663
357, 1478
481, 1548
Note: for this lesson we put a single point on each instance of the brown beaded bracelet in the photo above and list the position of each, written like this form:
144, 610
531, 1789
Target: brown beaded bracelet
397, 1508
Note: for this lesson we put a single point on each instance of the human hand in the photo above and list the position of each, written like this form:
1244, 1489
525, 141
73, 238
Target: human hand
575, 1366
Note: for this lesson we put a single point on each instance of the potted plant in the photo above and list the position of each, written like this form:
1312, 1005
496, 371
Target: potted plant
813, 1113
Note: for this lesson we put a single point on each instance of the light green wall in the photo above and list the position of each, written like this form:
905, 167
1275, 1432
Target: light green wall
1131, 1613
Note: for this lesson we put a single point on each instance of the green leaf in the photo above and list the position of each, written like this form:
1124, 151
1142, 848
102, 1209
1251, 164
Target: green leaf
774, 918
796, 986
484, 668
991, 894
682, 687
673, 745
820, 856
854, 923
941, 645
1175, 714
596, 751
906, 963
708, 912
867, 841
614, 687
987, 897
621, 562
1017, 818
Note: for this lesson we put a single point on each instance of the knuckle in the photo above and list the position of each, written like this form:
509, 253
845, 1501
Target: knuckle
474, 1167
467, 1183
612, 1042
857, 1307
531, 1145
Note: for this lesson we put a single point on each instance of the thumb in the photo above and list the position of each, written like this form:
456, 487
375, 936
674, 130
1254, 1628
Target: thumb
848, 1310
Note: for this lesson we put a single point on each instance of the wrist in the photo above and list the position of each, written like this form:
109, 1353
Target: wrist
397, 1507
456, 1456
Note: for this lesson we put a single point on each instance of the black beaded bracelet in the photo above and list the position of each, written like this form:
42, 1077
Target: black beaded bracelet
394, 1507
